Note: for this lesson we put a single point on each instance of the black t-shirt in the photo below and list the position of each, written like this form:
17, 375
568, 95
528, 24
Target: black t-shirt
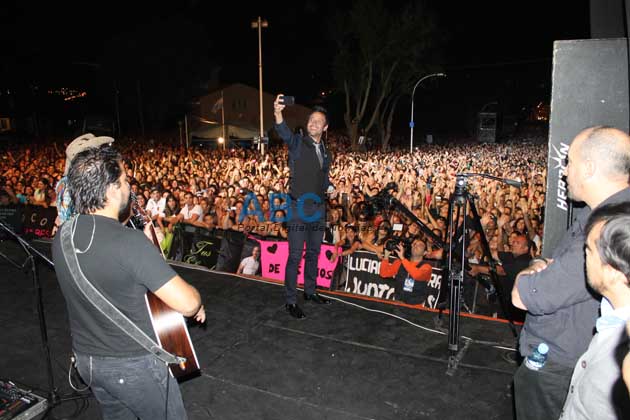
513, 265
408, 290
122, 264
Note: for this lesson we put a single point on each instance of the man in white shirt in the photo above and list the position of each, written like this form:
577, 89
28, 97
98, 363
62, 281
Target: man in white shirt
155, 205
191, 212
250, 265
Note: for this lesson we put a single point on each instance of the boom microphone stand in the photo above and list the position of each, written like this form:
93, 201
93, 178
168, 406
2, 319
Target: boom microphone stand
52, 397
384, 200
458, 203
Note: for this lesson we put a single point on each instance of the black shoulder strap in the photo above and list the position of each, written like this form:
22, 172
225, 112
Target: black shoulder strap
100, 302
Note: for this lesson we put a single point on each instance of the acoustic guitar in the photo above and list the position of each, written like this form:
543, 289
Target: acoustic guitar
169, 325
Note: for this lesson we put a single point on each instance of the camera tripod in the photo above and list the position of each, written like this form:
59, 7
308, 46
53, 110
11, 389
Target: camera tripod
459, 203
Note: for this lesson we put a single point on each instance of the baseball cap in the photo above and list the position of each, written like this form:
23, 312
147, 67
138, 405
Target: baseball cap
81, 143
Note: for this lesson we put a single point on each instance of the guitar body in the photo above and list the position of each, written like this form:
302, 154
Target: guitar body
169, 325
172, 334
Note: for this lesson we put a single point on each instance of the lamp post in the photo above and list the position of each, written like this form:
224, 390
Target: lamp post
411, 123
181, 141
259, 24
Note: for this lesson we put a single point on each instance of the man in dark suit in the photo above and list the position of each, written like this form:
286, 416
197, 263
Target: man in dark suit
309, 164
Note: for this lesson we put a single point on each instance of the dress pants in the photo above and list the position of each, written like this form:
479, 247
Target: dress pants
305, 226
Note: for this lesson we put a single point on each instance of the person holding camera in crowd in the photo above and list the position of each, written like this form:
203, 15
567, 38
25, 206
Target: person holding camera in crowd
561, 309
410, 272
309, 165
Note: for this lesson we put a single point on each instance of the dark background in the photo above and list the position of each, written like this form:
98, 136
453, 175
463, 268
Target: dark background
168, 54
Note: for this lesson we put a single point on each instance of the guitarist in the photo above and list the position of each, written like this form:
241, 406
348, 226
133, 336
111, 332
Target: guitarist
127, 381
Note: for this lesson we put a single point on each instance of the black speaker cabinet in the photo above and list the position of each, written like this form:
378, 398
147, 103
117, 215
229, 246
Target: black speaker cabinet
589, 87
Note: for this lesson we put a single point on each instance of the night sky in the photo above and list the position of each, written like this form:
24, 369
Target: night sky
491, 50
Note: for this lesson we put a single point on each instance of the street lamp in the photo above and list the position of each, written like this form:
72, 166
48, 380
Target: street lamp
259, 24
411, 124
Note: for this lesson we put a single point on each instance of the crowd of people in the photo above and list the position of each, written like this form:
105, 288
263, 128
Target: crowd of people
208, 188
239, 189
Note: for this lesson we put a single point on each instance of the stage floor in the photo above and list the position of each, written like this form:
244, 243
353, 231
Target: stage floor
349, 360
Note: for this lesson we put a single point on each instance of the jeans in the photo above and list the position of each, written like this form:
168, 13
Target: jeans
541, 394
130, 388
302, 231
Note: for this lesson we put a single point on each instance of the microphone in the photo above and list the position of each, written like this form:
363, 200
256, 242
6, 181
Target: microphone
513, 183
510, 182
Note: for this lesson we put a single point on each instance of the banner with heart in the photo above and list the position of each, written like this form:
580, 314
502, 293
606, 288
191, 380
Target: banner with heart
273, 258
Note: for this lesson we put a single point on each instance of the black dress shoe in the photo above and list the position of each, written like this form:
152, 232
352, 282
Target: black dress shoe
319, 299
294, 310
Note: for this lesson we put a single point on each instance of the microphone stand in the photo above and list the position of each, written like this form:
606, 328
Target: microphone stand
52, 397
13, 263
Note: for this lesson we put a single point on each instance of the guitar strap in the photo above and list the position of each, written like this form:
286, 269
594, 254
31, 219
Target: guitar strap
100, 302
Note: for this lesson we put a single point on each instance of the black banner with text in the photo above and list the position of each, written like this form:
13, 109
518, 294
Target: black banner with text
204, 251
38, 221
11, 216
361, 277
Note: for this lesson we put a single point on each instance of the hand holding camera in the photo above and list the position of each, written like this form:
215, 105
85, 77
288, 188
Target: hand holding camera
278, 105
400, 251
281, 102
288, 100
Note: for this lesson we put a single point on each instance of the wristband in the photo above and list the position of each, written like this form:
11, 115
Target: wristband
545, 260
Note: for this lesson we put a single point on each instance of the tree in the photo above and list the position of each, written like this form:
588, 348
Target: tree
381, 50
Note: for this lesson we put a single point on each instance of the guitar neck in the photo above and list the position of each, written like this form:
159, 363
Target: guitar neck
155, 238
149, 222
169, 326
154, 235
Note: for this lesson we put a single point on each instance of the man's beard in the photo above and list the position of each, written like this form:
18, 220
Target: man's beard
595, 286
124, 211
